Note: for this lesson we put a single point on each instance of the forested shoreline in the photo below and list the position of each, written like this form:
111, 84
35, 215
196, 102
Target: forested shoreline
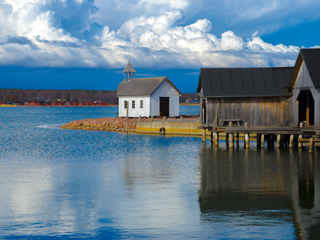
78, 95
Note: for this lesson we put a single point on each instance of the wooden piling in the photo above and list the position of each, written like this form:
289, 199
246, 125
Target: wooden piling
216, 139
231, 137
247, 140
262, 140
231, 140
227, 139
211, 138
311, 144
203, 135
278, 140
291, 141
300, 144
237, 135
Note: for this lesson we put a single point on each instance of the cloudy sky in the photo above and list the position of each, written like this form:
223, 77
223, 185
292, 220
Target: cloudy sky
63, 44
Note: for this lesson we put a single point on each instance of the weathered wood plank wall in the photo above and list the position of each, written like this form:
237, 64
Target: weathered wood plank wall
257, 111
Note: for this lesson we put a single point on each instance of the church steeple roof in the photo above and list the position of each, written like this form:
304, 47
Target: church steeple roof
129, 69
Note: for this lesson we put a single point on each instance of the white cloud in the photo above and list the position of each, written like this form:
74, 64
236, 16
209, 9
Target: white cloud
31, 36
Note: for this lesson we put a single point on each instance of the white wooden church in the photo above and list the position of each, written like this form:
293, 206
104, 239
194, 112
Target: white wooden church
146, 97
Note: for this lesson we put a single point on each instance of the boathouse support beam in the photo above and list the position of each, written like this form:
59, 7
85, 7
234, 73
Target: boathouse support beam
231, 140
300, 144
204, 135
247, 140
291, 141
216, 139
262, 140
278, 141
311, 144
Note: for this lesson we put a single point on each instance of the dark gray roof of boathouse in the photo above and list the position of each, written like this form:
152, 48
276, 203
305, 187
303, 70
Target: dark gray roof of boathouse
244, 82
311, 57
142, 86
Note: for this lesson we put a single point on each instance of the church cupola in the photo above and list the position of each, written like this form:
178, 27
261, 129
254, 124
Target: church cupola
127, 72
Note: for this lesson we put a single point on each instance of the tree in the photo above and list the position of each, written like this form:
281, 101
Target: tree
68, 97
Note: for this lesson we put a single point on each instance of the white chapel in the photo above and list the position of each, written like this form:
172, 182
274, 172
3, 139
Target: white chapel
146, 97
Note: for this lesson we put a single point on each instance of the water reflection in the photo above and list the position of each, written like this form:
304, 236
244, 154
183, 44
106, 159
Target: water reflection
261, 189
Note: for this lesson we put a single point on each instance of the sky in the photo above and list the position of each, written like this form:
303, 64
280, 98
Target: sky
85, 44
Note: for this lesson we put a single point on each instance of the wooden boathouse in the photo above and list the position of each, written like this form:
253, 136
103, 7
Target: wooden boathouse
269, 102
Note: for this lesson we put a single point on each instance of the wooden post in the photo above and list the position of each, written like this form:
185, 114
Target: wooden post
139, 118
181, 119
246, 136
262, 140
231, 140
151, 118
300, 144
203, 135
311, 144
278, 140
164, 118
238, 136
227, 139
291, 141
216, 139
247, 140
211, 138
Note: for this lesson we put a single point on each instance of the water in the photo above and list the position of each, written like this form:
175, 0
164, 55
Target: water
61, 184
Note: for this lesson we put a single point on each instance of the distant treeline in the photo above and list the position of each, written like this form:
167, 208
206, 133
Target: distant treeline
20, 95
51, 95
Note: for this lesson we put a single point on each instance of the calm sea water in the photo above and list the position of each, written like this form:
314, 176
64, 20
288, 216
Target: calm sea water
62, 184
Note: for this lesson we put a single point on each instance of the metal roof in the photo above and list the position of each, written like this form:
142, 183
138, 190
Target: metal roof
129, 68
244, 82
311, 57
141, 86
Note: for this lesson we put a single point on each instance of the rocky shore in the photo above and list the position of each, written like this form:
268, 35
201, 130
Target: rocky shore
103, 124
119, 124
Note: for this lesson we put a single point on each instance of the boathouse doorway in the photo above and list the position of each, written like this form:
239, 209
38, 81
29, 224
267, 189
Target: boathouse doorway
306, 107
164, 106
204, 112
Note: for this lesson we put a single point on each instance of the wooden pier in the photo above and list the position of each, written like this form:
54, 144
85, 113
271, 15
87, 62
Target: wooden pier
283, 136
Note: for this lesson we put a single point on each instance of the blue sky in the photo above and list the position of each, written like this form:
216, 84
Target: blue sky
65, 44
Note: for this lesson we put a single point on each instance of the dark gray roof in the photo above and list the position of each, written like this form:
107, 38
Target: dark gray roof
244, 82
311, 57
141, 86
129, 68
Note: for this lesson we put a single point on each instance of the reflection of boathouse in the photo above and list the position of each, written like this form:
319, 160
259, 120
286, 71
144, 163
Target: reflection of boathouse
246, 187
281, 99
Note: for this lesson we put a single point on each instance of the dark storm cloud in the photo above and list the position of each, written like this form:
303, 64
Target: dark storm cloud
20, 40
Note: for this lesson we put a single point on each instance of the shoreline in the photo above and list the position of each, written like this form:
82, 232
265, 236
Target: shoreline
188, 125
11, 105
111, 105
